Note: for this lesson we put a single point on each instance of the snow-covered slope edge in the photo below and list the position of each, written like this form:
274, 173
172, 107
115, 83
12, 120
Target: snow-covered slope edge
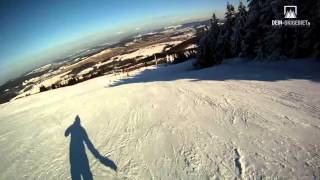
245, 120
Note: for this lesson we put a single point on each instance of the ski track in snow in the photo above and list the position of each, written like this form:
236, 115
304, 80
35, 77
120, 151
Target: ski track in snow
179, 129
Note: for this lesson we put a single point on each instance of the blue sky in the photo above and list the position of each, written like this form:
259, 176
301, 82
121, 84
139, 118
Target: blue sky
34, 32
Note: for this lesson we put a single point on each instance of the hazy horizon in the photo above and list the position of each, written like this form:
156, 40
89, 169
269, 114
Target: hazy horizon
38, 32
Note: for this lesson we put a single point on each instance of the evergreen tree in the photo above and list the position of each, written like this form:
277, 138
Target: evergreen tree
212, 39
223, 45
310, 45
239, 29
250, 41
206, 51
203, 51
250, 33
270, 39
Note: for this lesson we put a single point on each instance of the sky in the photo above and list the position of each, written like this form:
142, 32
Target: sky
35, 32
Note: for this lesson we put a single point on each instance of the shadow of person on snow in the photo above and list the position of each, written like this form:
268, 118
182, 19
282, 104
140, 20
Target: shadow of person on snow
79, 162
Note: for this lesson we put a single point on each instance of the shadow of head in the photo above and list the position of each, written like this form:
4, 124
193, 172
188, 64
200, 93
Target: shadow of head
77, 120
79, 162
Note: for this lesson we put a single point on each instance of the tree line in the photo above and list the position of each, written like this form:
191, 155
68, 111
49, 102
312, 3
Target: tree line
248, 32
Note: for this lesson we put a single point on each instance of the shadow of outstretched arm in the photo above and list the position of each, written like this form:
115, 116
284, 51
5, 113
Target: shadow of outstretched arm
67, 132
104, 160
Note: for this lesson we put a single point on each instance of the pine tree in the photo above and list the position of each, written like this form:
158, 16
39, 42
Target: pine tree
203, 51
311, 38
250, 33
272, 38
206, 50
223, 45
212, 39
239, 30
250, 41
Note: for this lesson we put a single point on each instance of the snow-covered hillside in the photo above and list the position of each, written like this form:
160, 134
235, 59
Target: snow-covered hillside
249, 120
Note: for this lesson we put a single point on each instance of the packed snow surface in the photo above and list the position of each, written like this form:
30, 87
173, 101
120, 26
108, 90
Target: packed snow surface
238, 120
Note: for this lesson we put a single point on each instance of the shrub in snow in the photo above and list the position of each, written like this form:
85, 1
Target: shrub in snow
43, 88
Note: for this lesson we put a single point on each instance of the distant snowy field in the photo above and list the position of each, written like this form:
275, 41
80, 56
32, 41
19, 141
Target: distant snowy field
249, 120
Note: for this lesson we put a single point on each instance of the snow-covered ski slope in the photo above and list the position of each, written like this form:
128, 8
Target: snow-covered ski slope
244, 120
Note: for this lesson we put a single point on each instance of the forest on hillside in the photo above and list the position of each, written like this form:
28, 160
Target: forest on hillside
248, 32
